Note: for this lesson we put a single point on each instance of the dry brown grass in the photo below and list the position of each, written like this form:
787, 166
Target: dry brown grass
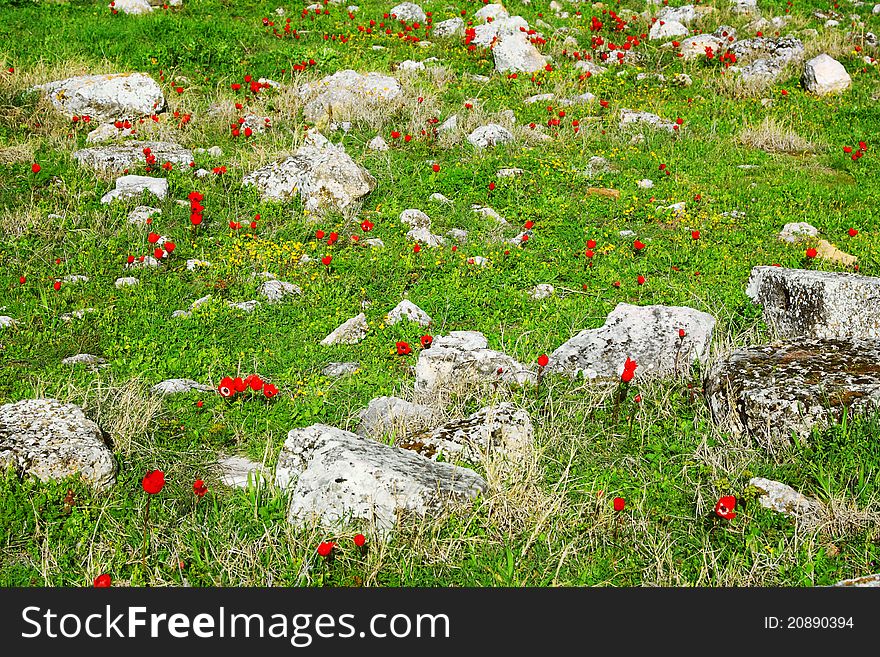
773, 136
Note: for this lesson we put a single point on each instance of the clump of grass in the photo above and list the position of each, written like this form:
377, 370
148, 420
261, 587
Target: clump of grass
773, 136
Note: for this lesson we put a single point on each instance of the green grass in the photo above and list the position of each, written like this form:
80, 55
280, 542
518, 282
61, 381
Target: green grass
556, 529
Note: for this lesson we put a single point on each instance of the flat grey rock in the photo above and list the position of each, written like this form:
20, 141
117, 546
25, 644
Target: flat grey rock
647, 334
351, 331
490, 135
52, 440
385, 416
776, 390
115, 158
337, 478
177, 386
240, 472
786, 500
341, 369
816, 304
83, 359
347, 94
406, 310
106, 97
274, 291
128, 187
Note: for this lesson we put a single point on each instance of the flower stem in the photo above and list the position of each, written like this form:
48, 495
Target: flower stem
146, 534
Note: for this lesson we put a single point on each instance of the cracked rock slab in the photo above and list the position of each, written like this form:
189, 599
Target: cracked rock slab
384, 416
337, 478
177, 386
51, 440
816, 304
115, 158
774, 391
786, 500
106, 97
351, 331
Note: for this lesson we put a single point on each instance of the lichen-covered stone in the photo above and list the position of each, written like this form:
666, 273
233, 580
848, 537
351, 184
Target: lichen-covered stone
50, 440
407, 310
392, 415
177, 386
647, 334
490, 135
115, 158
128, 187
274, 291
346, 93
336, 478
786, 500
816, 304
776, 390
350, 331
106, 97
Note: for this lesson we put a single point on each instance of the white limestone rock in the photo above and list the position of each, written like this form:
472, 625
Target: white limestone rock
351, 331
825, 75
178, 386
385, 416
106, 97
128, 187
490, 135
274, 291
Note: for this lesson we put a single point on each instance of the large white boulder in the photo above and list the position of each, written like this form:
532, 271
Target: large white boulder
106, 97
825, 75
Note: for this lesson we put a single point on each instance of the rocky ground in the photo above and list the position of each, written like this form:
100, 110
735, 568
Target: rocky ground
454, 294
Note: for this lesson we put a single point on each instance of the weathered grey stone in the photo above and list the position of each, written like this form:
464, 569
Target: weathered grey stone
106, 97
817, 304
115, 158
407, 310
346, 94
350, 331
773, 391
868, 580
50, 440
684, 14
462, 358
424, 236
695, 47
786, 500
141, 213
108, 131
133, 186
825, 75
177, 386
515, 53
748, 7
341, 369
541, 291
75, 278
448, 28
246, 306
494, 11
384, 416
322, 174
336, 478
667, 30
241, 472
648, 335
133, 7
7, 322
415, 218
83, 359
490, 135
502, 430
797, 231
378, 143
274, 291
409, 12
126, 281
629, 117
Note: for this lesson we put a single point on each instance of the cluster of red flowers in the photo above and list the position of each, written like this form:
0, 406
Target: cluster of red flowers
325, 548
254, 86
229, 387
404, 348
195, 208
859, 152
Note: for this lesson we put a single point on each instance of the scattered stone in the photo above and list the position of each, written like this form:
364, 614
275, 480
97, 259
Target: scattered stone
415, 218
241, 472
148, 261
827, 251
816, 304
351, 331
648, 335
463, 358
597, 165
825, 75
83, 359
386, 416
458, 235
684, 14
682, 80
449, 28
323, 175
424, 236
128, 187
106, 97
539, 98
7, 322
407, 310
133, 7
776, 390
108, 131
377, 143
489, 213
490, 135
126, 281
439, 198
75, 278
115, 158
409, 12
51, 440
509, 173
515, 53
868, 580
541, 291
274, 291
177, 386
246, 306
748, 7
667, 30
336, 477
491, 13
695, 47
346, 94
141, 213
193, 263
796, 232
629, 117
341, 369
645, 183
786, 500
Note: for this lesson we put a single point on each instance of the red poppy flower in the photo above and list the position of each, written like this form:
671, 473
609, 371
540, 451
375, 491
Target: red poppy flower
591, 244
638, 246
359, 540
238, 384
254, 382
153, 482
225, 388
695, 234
169, 246
852, 232
812, 253
35, 167
435, 168
681, 333
325, 548
367, 225
56, 285
103, 581
200, 488
426, 341
640, 280
326, 260
529, 224
619, 503
319, 234
270, 390
159, 253
629, 370
725, 507
23, 280
543, 359
403, 348
491, 186
417, 248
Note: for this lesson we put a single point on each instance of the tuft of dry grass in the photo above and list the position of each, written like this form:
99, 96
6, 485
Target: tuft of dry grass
775, 137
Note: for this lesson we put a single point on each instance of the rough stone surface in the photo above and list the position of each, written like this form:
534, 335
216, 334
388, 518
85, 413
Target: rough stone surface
825, 75
126, 281
541, 291
773, 391
648, 335
240, 472
83, 359
106, 97
502, 430
176, 386
323, 175
274, 291
336, 478
463, 358
341, 369
767, 57
351, 331
409, 12
786, 500
141, 213
667, 30
392, 415
449, 28
49, 439
868, 580
797, 231
133, 7
6, 321
695, 47
339, 97
128, 187
490, 135
415, 218
515, 53
816, 304
629, 117
116, 158
407, 310
106, 132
